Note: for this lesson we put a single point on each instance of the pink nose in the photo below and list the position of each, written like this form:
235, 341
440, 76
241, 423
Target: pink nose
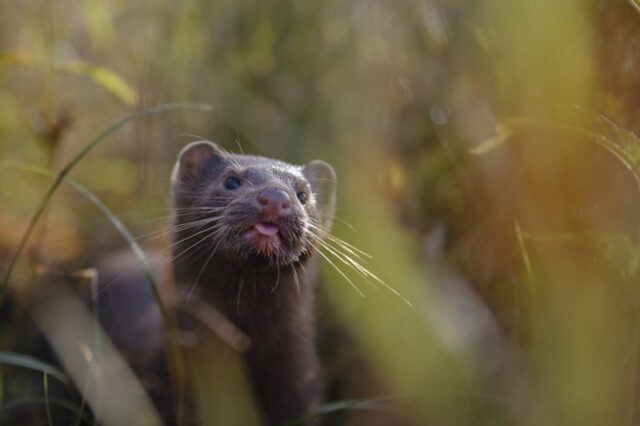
274, 202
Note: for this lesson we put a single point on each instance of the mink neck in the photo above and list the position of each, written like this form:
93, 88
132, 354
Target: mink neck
248, 288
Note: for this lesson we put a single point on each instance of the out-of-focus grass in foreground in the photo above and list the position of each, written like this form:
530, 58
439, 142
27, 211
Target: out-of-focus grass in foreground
487, 160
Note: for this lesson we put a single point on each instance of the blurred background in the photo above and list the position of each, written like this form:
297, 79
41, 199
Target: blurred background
487, 160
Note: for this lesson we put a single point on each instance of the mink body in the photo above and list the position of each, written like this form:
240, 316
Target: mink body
281, 360
255, 262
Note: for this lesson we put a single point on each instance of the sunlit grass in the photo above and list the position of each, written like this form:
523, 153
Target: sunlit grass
487, 158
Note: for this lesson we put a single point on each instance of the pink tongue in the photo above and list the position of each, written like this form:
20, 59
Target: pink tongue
265, 229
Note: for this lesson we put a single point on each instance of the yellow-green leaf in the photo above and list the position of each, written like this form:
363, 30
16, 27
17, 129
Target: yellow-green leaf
104, 77
502, 135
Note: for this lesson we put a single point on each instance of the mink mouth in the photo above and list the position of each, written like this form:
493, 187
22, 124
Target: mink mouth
275, 240
246, 235
267, 229
265, 238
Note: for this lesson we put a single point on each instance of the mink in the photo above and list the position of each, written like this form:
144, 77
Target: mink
244, 232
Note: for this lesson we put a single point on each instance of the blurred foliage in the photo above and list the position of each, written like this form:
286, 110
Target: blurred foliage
487, 155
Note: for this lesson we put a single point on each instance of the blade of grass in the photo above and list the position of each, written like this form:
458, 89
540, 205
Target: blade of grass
2, 386
95, 295
170, 327
120, 227
525, 258
377, 403
333, 407
31, 363
117, 223
503, 133
59, 402
47, 406
178, 368
103, 77
83, 403
619, 148
71, 164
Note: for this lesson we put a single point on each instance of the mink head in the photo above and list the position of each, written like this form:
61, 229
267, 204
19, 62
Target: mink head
248, 208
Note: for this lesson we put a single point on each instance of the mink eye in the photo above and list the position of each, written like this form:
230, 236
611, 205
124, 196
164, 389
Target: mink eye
302, 196
232, 183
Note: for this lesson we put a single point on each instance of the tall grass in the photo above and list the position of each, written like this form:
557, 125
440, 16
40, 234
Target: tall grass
71, 164
177, 366
487, 157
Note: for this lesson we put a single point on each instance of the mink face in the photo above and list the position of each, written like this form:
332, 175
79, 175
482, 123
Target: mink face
248, 209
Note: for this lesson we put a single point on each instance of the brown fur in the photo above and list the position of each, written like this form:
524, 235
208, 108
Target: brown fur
268, 298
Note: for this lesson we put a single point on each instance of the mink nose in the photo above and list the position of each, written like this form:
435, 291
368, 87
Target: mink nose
274, 202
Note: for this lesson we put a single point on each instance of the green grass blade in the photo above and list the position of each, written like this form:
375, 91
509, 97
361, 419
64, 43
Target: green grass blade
526, 259
96, 201
103, 77
377, 403
117, 223
47, 406
503, 134
53, 401
31, 363
170, 327
71, 164
625, 146
335, 406
83, 403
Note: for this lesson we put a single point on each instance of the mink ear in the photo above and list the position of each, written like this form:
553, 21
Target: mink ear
194, 159
322, 179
